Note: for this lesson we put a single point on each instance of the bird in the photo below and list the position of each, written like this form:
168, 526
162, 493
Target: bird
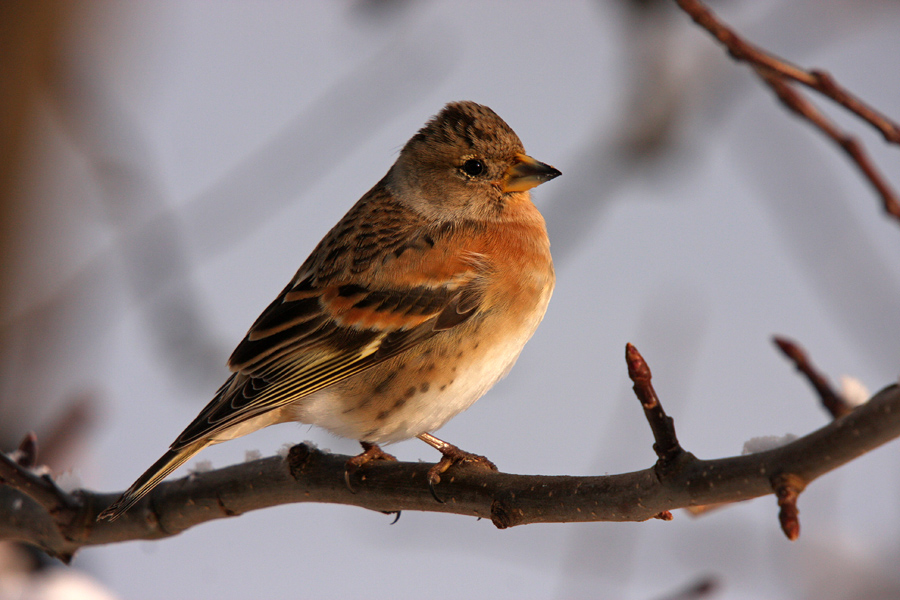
412, 307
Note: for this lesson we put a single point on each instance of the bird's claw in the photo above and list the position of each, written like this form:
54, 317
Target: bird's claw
454, 456
371, 452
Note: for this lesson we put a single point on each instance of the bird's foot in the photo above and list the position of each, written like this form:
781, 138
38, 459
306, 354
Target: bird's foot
371, 452
451, 456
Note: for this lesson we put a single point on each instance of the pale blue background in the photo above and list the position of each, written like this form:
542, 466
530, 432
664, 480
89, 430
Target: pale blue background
191, 155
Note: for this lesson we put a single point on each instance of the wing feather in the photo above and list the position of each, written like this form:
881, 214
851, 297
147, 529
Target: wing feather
323, 329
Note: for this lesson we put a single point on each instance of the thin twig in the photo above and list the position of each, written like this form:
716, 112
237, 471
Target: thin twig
801, 106
833, 402
777, 73
814, 79
666, 443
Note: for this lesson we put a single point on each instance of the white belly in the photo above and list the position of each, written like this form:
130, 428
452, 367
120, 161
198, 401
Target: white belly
423, 394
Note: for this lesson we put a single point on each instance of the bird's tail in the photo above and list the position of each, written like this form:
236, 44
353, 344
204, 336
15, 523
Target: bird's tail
170, 461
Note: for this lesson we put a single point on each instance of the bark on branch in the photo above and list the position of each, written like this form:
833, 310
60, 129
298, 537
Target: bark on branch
34, 510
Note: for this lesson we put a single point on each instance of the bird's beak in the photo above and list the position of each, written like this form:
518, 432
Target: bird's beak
527, 173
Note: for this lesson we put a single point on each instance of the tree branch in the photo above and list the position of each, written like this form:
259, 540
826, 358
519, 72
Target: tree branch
778, 74
30, 510
833, 402
666, 443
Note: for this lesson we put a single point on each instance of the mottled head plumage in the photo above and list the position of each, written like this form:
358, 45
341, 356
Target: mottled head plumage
458, 164
469, 123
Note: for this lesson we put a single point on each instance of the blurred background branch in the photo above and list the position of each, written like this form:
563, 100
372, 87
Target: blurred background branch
779, 74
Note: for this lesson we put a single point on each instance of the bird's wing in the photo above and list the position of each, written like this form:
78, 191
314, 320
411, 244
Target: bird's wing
321, 330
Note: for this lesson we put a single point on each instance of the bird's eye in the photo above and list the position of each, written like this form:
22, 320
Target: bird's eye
473, 167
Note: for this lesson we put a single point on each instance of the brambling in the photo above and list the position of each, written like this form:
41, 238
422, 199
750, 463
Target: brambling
414, 305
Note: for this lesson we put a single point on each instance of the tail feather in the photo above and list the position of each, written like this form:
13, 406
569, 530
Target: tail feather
152, 477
